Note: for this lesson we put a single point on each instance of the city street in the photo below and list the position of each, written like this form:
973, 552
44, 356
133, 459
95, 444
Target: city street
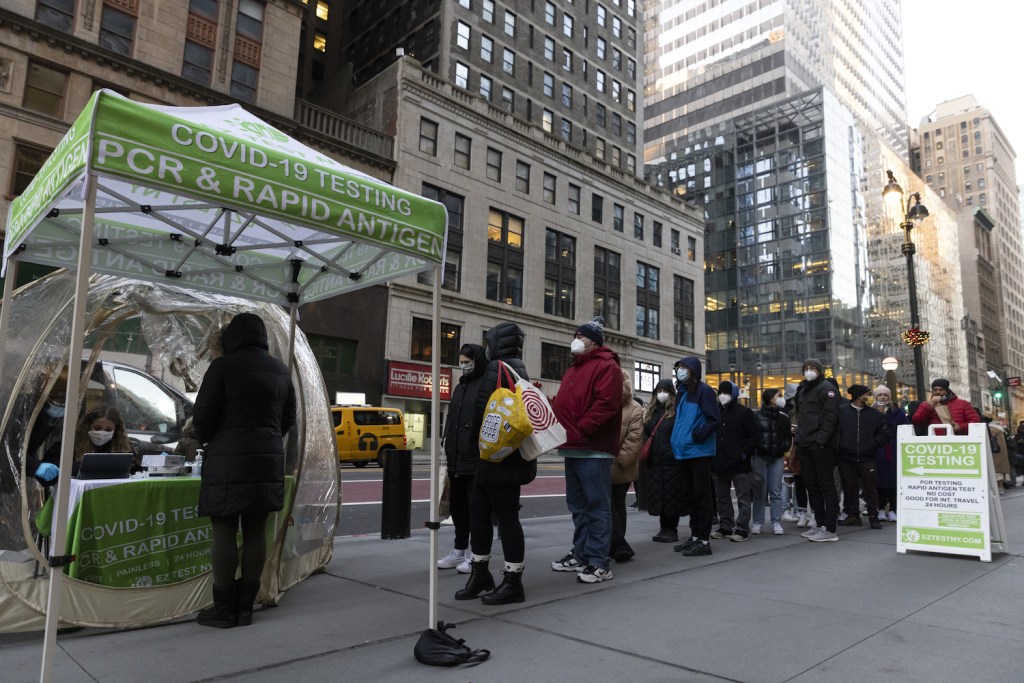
361, 496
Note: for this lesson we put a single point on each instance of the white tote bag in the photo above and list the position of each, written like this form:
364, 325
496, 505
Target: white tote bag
548, 434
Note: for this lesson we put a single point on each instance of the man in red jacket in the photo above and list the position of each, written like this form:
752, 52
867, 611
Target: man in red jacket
589, 407
944, 407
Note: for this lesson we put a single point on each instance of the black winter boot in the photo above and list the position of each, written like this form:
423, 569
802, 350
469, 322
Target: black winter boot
510, 590
246, 592
480, 581
223, 613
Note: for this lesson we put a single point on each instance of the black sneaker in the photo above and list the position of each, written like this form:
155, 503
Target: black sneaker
697, 549
666, 536
852, 520
624, 555
685, 544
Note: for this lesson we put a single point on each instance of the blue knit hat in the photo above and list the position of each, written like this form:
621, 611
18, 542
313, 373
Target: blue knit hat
593, 330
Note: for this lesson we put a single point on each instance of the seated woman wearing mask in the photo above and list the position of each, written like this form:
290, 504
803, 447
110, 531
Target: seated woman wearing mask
101, 430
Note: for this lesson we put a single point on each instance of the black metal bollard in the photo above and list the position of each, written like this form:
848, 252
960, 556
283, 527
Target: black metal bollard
396, 497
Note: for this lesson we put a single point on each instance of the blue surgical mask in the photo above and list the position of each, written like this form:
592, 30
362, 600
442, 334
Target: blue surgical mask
466, 367
54, 411
682, 374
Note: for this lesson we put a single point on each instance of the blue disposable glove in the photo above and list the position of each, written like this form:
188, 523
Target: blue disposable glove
47, 471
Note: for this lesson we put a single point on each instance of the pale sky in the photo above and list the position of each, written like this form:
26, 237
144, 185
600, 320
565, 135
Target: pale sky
953, 48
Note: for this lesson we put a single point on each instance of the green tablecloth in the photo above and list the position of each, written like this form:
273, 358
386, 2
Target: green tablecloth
143, 532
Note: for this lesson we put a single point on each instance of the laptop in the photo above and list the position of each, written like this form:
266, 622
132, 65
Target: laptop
105, 466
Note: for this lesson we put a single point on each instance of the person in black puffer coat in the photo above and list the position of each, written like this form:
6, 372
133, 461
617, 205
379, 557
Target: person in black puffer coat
776, 438
496, 487
245, 406
664, 473
737, 440
462, 450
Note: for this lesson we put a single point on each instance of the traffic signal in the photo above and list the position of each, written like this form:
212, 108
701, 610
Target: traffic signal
997, 394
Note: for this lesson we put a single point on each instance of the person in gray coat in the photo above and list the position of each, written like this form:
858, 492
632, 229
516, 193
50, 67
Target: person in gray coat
246, 404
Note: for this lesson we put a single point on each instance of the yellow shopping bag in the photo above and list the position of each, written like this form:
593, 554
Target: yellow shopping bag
506, 423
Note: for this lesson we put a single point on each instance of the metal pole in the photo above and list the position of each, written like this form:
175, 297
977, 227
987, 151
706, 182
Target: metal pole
908, 251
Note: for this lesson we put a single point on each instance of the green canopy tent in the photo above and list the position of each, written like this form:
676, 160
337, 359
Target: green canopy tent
212, 199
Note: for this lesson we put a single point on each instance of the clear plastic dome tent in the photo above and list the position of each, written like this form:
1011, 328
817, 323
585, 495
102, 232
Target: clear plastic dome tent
166, 331
211, 199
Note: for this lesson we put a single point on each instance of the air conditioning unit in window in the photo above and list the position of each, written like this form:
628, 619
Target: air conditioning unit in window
675, 250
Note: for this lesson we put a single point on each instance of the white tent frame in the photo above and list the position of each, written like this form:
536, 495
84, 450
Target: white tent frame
83, 267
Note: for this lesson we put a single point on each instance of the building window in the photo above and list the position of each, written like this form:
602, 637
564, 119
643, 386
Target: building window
691, 248
560, 274
493, 165
486, 86
453, 256
555, 360
656, 233
616, 91
510, 24
463, 150
523, 177
422, 329
548, 121
549, 85
601, 47
646, 376
567, 96
549, 49
616, 27
647, 300
638, 226
505, 258
322, 10
631, 69
461, 76
488, 11
568, 25
244, 79
487, 49
567, 59
508, 62
599, 81
599, 148
630, 100
44, 90
673, 240
320, 42
197, 63
549, 13
597, 208
57, 14
566, 130
630, 37
465, 3
428, 137
508, 99
682, 295
616, 124
549, 188
117, 26
574, 199
462, 36
27, 162
618, 217
602, 113
602, 17
607, 286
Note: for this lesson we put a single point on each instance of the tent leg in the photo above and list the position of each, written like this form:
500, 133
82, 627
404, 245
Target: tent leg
293, 316
435, 441
60, 511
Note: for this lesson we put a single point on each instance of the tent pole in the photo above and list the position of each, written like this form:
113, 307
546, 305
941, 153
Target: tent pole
293, 316
5, 308
67, 450
435, 441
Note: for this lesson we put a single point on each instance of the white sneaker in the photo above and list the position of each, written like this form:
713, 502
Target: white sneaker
788, 516
777, 529
881, 516
464, 568
843, 516
452, 559
755, 528
892, 516
811, 521
802, 521
824, 535
813, 531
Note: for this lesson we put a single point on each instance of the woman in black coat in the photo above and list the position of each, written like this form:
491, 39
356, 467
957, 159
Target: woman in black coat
462, 450
245, 406
664, 472
496, 488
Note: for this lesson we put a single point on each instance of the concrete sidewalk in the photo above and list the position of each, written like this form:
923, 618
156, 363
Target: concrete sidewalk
775, 608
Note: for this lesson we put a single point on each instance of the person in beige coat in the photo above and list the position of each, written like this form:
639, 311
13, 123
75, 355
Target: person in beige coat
625, 468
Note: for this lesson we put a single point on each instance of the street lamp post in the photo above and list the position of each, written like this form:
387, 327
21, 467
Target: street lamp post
910, 214
890, 364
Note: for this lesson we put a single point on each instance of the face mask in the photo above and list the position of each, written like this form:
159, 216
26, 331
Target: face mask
811, 375
662, 397
54, 411
780, 403
100, 438
466, 367
882, 403
577, 346
682, 374
869, 401
724, 399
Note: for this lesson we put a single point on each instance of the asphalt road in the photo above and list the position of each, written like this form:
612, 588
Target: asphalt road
361, 495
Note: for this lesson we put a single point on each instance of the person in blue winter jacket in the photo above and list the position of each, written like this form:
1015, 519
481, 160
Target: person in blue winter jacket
693, 443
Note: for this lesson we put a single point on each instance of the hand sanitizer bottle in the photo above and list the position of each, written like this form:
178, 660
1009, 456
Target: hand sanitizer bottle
197, 467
